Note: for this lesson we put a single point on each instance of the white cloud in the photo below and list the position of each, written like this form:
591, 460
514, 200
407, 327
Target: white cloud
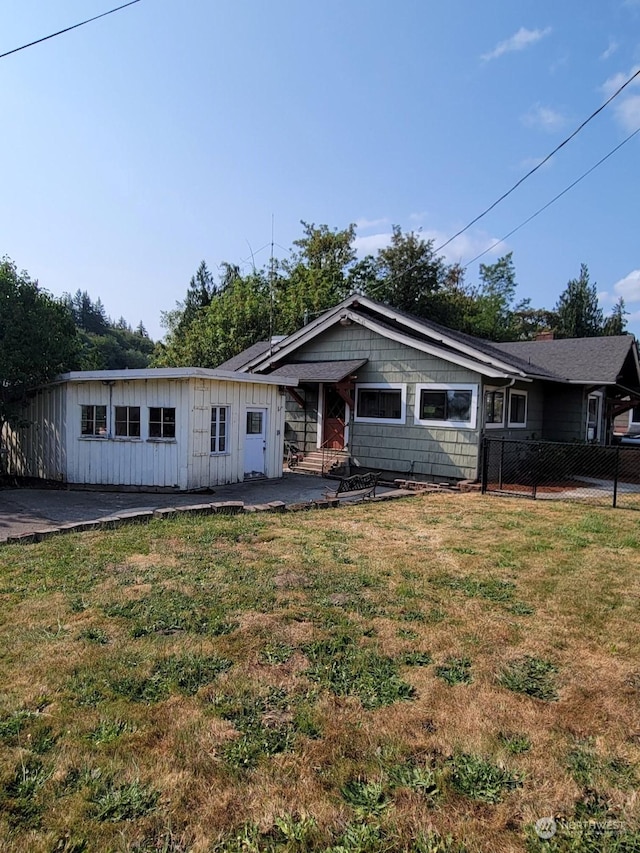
523, 38
628, 112
629, 287
611, 49
370, 223
544, 118
370, 244
605, 298
462, 249
613, 83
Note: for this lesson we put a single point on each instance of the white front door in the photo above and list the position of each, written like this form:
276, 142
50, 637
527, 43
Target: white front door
255, 443
594, 416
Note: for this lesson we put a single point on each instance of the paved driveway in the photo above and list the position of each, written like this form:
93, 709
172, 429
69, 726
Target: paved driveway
26, 510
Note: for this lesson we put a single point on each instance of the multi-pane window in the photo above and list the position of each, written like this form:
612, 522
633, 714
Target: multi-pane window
94, 421
517, 408
254, 423
162, 422
379, 404
493, 407
219, 423
127, 421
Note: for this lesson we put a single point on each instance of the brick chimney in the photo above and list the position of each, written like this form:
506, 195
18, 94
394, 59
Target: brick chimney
546, 335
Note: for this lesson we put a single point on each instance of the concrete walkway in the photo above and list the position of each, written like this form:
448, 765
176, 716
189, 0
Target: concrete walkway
27, 510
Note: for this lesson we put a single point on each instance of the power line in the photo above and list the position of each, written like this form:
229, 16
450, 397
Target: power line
554, 199
541, 163
68, 29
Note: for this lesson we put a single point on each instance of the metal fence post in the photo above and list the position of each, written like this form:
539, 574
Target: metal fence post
615, 477
484, 472
501, 463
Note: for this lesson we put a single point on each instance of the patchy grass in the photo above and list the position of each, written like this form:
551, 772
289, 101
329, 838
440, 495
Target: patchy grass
430, 676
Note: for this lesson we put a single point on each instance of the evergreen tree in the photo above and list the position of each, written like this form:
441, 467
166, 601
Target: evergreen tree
578, 311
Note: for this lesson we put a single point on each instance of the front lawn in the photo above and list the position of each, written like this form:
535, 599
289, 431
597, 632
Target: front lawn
430, 675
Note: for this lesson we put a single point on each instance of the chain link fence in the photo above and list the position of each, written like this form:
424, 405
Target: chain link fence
549, 470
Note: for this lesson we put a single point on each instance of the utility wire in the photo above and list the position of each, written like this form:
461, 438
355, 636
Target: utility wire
541, 163
68, 29
554, 199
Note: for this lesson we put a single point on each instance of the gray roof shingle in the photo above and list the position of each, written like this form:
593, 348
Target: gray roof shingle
592, 360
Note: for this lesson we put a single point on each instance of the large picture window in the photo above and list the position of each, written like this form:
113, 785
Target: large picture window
219, 423
452, 405
380, 403
162, 422
94, 421
493, 408
517, 408
127, 421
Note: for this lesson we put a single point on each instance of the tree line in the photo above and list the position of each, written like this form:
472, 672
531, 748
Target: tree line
41, 336
220, 316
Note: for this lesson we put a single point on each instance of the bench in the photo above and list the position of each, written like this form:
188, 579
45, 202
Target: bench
358, 486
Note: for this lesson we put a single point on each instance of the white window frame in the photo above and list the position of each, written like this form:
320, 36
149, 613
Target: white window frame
516, 424
227, 421
128, 436
101, 436
595, 395
447, 386
493, 389
633, 423
382, 386
163, 437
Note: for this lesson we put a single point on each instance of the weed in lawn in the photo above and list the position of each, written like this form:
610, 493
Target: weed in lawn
407, 634
480, 779
531, 676
276, 652
420, 779
188, 673
416, 659
109, 731
514, 742
519, 608
168, 611
365, 798
19, 798
455, 671
491, 589
589, 769
349, 669
94, 635
13, 724
123, 802
266, 725
179, 673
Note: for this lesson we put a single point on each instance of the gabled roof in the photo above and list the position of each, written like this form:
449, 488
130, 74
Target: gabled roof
243, 358
319, 371
588, 361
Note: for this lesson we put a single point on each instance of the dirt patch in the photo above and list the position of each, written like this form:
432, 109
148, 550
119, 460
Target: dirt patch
291, 580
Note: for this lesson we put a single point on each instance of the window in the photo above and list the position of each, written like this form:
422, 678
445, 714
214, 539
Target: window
162, 422
493, 408
254, 423
219, 421
635, 415
128, 421
446, 405
517, 408
94, 421
380, 403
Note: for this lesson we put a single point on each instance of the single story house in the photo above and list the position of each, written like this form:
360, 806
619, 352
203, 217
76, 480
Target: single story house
403, 395
159, 428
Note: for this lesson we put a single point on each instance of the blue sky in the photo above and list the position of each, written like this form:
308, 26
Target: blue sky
170, 132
